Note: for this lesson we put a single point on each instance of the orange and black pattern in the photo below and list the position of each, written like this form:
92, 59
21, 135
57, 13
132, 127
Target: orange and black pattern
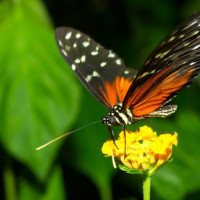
173, 65
100, 70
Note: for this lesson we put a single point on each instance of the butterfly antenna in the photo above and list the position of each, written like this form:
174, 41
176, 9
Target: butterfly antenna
66, 134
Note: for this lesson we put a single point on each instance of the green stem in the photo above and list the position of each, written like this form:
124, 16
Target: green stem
9, 183
146, 187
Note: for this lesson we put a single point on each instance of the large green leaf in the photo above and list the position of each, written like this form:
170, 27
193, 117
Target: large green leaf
38, 97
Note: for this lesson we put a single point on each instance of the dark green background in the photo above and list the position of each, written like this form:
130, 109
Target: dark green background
40, 98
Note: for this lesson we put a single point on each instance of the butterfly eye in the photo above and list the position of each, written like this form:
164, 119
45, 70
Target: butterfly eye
111, 119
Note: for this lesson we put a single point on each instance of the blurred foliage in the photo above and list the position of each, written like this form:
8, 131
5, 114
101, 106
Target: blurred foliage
40, 99
36, 97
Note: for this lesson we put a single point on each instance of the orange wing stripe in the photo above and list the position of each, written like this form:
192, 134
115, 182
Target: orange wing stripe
124, 86
106, 100
116, 91
159, 95
111, 92
139, 91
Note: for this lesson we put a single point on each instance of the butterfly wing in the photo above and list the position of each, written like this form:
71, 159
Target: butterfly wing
174, 64
100, 70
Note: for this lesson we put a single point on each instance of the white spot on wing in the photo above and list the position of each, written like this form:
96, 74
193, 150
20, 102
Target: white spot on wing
111, 54
126, 72
73, 67
157, 55
83, 58
186, 44
184, 62
103, 64
88, 78
196, 47
86, 44
171, 39
68, 35
60, 43
191, 24
67, 47
64, 52
75, 45
161, 55
146, 73
118, 62
147, 62
194, 22
94, 74
94, 53
195, 32
192, 63
78, 35
77, 60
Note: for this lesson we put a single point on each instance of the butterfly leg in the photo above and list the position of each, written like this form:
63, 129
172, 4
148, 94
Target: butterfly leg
137, 120
124, 130
112, 135
113, 139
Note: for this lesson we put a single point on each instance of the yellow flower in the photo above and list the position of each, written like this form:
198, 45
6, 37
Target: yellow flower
145, 151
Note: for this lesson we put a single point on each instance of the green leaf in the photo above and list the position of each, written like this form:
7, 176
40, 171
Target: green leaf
53, 190
128, 170
38, 96
55, 187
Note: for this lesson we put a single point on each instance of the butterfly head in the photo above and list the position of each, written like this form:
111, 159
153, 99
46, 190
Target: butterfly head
109, 120
117, 116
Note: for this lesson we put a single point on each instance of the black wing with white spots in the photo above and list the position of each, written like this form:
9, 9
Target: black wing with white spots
174, 64
96, 67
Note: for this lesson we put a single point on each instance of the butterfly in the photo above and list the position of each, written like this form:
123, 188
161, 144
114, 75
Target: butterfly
127, 93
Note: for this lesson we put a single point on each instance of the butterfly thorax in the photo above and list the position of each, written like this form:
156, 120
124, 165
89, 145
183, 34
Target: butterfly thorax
118, 116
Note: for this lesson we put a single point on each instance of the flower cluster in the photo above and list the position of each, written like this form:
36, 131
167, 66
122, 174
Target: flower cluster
145, 151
